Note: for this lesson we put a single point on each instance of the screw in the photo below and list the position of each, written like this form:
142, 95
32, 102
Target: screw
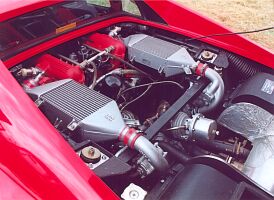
104, 157
134, 194
91, 151
90, 165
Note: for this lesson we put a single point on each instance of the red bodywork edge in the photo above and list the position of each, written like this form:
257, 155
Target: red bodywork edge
235, 43
35, 156
36, 160
182, 20
194, 25
14, 8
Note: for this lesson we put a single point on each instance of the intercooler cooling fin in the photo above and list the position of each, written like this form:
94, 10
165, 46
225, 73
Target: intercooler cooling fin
158, 54
70, 105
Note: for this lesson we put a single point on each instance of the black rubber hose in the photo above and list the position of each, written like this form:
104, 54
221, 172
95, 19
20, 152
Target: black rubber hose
243, 66
224, 147
182, 158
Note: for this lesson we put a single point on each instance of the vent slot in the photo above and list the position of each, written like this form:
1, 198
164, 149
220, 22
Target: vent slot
156, 47
75, 100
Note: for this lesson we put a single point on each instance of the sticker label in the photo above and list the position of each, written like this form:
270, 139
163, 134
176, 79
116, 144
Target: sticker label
65, 28
268, 86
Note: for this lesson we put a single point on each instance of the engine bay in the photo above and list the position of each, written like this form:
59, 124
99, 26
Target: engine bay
151, 110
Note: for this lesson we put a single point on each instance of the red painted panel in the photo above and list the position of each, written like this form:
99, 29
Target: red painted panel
36, 156
182, 20
14, 8
103, 41
195, 25
240, 45
9, 189
57, 69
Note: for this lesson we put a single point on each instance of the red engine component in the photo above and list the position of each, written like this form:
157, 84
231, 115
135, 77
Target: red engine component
58, 69
102, 41
31, 83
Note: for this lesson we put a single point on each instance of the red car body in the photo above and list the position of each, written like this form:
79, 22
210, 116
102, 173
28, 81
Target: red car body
36, 162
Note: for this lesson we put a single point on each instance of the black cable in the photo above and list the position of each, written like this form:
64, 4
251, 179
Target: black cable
227, 34
148, 84
223, 147
137, 98
180, 157
131, 66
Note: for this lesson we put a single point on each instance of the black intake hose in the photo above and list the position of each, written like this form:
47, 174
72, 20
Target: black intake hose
224, 147
244, 66
182, 158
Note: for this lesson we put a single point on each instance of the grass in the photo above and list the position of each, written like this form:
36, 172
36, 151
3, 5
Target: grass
240, 15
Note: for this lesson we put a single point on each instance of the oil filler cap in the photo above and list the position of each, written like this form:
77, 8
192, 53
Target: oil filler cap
90, 154
133, 192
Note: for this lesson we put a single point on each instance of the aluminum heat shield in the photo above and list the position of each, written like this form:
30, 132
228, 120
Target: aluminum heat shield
70, 105
158, 54
248, 120
257, 125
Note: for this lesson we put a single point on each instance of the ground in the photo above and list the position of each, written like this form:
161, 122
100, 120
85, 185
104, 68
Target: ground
240, 15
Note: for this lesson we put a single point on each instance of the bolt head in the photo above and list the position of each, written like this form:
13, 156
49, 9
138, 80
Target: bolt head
91, 151
134, 194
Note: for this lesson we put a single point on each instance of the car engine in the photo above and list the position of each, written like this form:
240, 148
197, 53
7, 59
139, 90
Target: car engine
157, 113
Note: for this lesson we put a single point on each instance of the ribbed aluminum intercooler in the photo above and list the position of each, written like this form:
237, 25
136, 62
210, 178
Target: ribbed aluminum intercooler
161, 55
91, 115
155, 46
76, 100
68, 104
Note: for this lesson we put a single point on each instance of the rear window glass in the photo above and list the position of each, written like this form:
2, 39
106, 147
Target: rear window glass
52, 20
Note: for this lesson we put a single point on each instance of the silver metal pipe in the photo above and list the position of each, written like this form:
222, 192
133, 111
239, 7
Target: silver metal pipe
215, 90
118, 153
144, 146
213, 76
118, 71
68, 59
94, 67
101, 53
